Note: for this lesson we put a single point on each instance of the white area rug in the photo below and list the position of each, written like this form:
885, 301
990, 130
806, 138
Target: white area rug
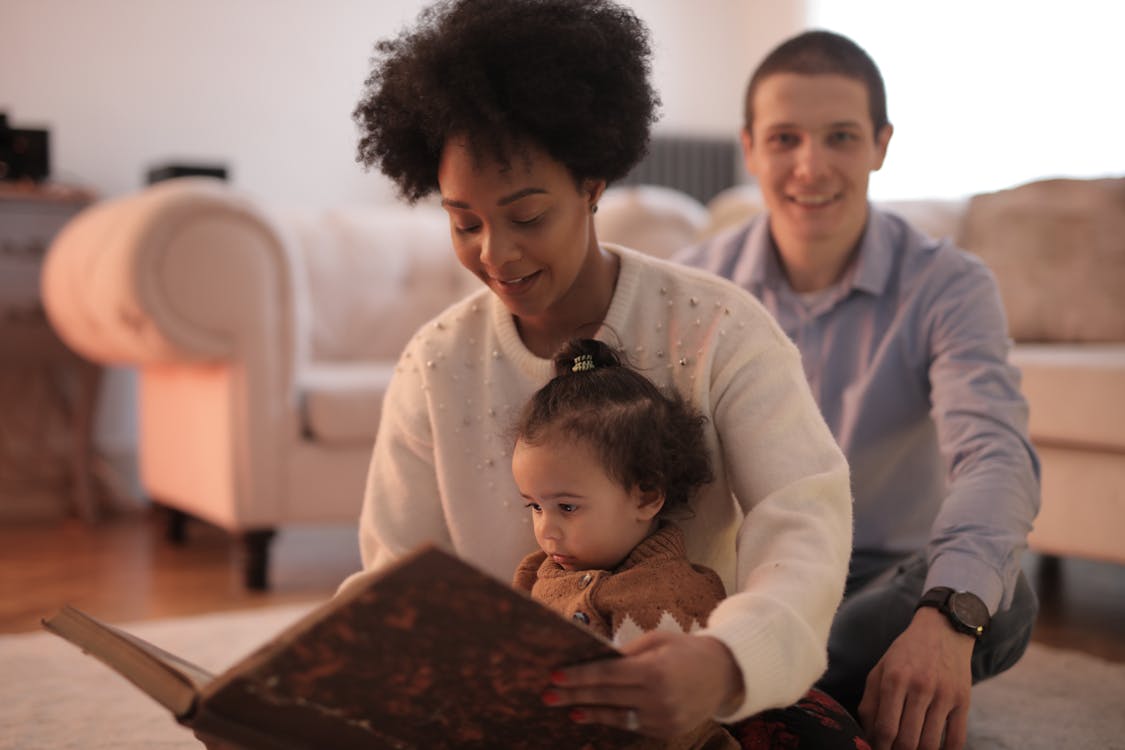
52, 696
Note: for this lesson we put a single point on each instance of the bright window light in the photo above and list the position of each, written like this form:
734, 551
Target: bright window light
988, 94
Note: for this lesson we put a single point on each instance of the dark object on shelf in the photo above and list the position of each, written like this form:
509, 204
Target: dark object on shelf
24, 153
171, 171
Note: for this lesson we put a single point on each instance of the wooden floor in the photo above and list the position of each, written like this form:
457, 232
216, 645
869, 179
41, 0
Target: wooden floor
123, 570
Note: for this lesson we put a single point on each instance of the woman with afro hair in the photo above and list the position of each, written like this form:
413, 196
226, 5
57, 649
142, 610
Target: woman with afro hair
516, 114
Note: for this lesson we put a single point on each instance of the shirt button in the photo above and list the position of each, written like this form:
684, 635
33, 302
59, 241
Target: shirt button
585, 581
582, 617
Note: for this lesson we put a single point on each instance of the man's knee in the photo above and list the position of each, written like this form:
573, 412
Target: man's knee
1008, 634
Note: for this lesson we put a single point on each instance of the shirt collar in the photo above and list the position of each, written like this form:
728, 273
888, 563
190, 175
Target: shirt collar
760, 267
875, 258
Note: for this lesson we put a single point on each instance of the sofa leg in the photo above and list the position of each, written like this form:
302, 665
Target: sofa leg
1049, 573
257, 544
175, 529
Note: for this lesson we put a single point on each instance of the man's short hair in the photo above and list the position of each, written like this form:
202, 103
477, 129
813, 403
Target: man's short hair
823, 53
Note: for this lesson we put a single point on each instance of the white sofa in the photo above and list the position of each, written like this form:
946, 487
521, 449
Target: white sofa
264, 341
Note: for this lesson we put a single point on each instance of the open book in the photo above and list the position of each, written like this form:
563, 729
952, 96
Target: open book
427, 653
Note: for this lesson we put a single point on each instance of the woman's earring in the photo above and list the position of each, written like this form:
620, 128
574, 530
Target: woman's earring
594, 208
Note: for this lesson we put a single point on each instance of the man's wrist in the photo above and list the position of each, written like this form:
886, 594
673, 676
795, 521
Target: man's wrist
964, 611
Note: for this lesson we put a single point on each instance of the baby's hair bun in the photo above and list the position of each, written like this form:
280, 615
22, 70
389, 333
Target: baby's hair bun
583, 355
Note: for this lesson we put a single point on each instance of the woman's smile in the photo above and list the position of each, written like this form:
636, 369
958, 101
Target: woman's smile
515, 285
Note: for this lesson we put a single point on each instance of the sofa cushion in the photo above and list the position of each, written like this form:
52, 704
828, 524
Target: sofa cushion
656, 220
1076, 393
1057, 248
732, 207
937, 218
374, 276
342, 402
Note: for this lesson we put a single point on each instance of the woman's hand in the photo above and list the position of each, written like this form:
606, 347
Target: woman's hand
666, 684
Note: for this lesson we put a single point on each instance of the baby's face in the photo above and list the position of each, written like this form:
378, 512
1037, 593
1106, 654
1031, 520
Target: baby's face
583, 519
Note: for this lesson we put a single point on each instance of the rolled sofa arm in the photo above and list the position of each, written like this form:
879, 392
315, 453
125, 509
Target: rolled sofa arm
183, 271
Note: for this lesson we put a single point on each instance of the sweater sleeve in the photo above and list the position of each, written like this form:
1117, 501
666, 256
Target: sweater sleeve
792, 484
401, 509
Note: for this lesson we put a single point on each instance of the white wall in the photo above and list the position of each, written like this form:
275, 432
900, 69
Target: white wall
704, 52
268, 86
264, 86
987, 95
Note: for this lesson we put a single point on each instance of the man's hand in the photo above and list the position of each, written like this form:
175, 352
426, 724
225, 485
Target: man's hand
667, 684
918, 694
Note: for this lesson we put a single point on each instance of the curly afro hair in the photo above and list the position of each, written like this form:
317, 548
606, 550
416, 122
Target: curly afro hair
644, 437
569, 76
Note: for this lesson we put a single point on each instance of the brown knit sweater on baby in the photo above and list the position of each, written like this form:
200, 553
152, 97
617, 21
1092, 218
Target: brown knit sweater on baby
655, 588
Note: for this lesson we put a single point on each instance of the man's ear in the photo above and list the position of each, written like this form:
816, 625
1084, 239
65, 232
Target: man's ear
747, 150
649, 503
882, 139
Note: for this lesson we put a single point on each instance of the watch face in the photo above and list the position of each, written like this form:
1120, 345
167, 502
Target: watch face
969, 610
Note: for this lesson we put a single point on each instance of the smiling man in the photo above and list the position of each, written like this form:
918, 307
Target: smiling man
904, 342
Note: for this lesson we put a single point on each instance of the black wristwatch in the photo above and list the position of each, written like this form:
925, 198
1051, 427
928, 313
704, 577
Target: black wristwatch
966, 612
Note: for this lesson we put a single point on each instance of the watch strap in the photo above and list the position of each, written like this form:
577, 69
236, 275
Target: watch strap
937, 597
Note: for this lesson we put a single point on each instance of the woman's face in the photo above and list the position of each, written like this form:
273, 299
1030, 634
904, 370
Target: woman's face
526, 230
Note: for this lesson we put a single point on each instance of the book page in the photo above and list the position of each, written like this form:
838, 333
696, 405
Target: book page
172, 681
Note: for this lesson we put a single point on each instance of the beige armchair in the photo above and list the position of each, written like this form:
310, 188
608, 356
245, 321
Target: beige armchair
263, 342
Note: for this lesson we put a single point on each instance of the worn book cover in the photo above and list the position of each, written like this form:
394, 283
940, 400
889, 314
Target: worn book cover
428, 653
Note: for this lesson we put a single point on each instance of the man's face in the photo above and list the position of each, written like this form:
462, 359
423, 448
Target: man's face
812, 148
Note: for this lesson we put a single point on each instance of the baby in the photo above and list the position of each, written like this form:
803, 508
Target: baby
604, 461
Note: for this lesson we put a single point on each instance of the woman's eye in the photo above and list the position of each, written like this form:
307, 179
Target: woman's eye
841, 136
534, 507
567, 507
527, 222
466, 230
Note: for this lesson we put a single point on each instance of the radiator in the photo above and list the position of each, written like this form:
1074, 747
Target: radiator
701, 167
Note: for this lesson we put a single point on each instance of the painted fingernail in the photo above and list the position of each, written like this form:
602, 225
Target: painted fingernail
550, 697
578, 715
558, 677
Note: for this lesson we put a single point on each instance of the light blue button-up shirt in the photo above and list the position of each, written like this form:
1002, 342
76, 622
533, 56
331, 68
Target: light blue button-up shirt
907, 356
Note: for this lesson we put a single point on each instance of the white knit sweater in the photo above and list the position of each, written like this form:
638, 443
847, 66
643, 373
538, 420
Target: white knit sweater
775, 525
